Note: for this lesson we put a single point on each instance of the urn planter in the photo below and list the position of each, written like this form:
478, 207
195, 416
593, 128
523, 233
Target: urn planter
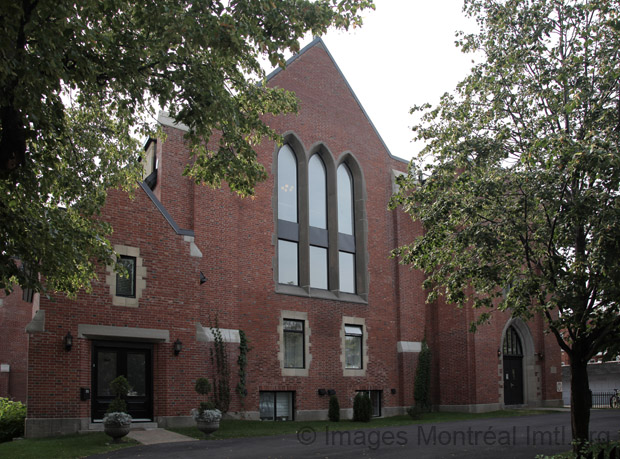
207, 427
116, 425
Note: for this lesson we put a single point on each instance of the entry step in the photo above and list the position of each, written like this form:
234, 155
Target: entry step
98, 426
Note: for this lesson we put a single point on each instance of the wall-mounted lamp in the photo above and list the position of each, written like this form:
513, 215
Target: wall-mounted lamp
322, 392
540, 355
203, 279
393, 391
499, 352
331, 392
68, 341
178, 346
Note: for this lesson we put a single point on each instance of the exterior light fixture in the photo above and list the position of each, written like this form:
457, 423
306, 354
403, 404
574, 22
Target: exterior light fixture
322, 392
203, 279
68, 341
393, 391
499, 352
540, 356
178, 346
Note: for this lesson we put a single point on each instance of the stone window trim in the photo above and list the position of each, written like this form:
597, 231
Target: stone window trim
140, 278
301, 316
359, 321
303, 156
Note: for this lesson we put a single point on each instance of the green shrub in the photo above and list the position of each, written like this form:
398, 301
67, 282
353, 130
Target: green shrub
334, 409
203, 386
422, 383
362, 407
414, 412
118, 405
120, 387
12, 417
206, 406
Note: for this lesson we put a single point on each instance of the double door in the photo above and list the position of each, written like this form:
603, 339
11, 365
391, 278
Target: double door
132, 360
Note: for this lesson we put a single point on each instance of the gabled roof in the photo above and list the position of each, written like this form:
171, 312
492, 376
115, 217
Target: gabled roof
319, 42
165, 120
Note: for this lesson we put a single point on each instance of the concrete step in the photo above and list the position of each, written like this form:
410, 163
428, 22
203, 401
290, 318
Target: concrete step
98, 426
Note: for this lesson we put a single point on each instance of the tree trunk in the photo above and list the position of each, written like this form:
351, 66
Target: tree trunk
580, 401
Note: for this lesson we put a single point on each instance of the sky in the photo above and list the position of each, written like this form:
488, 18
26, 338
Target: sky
403, 55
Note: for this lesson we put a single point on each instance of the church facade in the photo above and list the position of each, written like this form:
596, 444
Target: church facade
299, 280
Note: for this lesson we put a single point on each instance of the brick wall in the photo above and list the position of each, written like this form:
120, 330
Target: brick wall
237, 239
15, 314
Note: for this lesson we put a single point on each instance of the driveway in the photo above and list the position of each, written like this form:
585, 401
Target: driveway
514, 437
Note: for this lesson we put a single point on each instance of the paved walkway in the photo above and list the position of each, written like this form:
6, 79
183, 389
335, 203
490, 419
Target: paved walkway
492, 438
157, 436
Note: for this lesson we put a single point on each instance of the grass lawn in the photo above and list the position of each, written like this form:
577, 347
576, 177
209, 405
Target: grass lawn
69, 446
77, 446
230, 428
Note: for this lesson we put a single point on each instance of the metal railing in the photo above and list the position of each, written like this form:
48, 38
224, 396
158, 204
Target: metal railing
601, 399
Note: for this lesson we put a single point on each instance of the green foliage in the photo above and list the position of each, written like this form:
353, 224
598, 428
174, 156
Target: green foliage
242, 361
79, 81
12, 418
602, 450
219, 359
334, 409
118, 405
362, 407
120, 387
203, 386
518, 185
206, 406
414, 412
422, 384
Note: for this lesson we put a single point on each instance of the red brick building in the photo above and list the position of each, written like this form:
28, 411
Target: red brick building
303, 270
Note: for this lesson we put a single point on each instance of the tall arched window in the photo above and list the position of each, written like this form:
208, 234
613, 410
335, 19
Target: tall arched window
321, 224
317, 209
346, 230
288, 227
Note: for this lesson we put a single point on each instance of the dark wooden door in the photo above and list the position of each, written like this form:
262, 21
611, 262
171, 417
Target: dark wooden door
132, 360
513, 380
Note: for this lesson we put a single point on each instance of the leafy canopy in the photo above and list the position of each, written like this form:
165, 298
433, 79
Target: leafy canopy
520, 200
79, 82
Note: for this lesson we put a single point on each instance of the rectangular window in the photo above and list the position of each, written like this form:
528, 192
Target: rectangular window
126, 286
353, 346
294, 343
375, 400
347, 272
287, 262
318, 267
276, 406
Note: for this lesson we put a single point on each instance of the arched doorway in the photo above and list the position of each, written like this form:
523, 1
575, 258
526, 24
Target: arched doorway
512, 351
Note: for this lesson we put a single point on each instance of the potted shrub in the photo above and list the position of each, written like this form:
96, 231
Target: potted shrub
207, 416
116, 421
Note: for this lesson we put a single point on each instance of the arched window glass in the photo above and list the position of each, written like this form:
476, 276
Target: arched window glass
346, 235
317, 194
317, 213
287, 185
345, 200
288, 229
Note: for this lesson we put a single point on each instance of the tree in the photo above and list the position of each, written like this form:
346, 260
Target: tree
520, 198
79, 82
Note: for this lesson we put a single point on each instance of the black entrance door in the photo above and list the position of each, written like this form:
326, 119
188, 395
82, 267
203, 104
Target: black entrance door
132, 360
513, 380
513, 368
